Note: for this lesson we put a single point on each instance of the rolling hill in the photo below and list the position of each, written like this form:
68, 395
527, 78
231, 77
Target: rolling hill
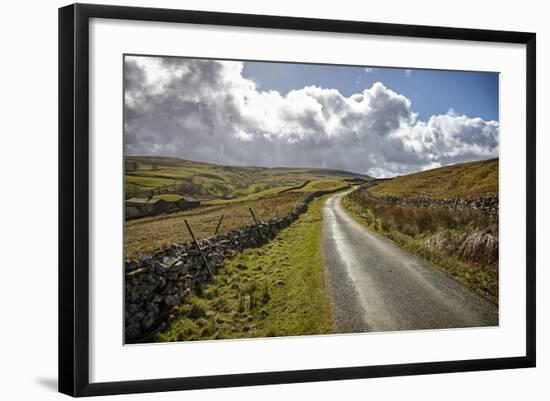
460, 180
164, 175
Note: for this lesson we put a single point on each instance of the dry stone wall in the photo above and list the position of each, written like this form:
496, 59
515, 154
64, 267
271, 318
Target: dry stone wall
485, 204
153, 285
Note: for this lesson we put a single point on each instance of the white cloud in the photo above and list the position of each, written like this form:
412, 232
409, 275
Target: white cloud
205, 110
370, 70
408, 73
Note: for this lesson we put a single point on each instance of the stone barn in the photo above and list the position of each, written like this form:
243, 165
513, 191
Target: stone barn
138, 207
187, 202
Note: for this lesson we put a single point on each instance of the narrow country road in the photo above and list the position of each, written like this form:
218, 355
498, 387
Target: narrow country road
375, 286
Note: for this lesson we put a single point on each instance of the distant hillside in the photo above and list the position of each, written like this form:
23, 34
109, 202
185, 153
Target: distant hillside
463, 180
147, 174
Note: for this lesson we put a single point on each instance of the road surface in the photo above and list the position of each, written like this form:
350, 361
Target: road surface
375, 286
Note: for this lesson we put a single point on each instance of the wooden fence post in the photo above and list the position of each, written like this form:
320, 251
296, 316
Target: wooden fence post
256, 223
199, 248
219, 224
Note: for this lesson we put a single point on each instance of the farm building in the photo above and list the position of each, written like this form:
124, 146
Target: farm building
137, 207
187, 202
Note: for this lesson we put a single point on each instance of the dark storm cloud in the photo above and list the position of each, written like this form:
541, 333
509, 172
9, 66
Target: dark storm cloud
205, 110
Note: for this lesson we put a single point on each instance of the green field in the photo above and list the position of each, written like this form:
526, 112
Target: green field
275, 290
217, 183
224, 191
255, 195
462, 180
152, 182
327, 184
169, 197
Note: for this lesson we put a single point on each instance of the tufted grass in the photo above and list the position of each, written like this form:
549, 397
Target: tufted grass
275, 290
435, 235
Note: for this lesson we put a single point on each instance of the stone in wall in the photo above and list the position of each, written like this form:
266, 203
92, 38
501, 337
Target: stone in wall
486, 204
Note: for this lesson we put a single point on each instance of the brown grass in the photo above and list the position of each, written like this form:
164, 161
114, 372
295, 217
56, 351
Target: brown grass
463, 180
147, 235
479, 247
419, 220
463, 243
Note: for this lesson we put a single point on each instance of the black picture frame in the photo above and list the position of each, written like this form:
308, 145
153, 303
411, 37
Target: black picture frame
74, 200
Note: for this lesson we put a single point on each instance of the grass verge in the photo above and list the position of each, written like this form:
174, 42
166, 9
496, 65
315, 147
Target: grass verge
275, 290
435, 236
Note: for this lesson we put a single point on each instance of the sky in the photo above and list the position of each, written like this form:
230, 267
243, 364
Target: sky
431, 92
371, 120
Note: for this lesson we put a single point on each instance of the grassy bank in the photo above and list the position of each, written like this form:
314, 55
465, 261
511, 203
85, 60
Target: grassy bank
463, 180
463, 244
275, 290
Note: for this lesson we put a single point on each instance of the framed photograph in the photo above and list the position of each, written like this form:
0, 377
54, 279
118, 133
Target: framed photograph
251, 199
